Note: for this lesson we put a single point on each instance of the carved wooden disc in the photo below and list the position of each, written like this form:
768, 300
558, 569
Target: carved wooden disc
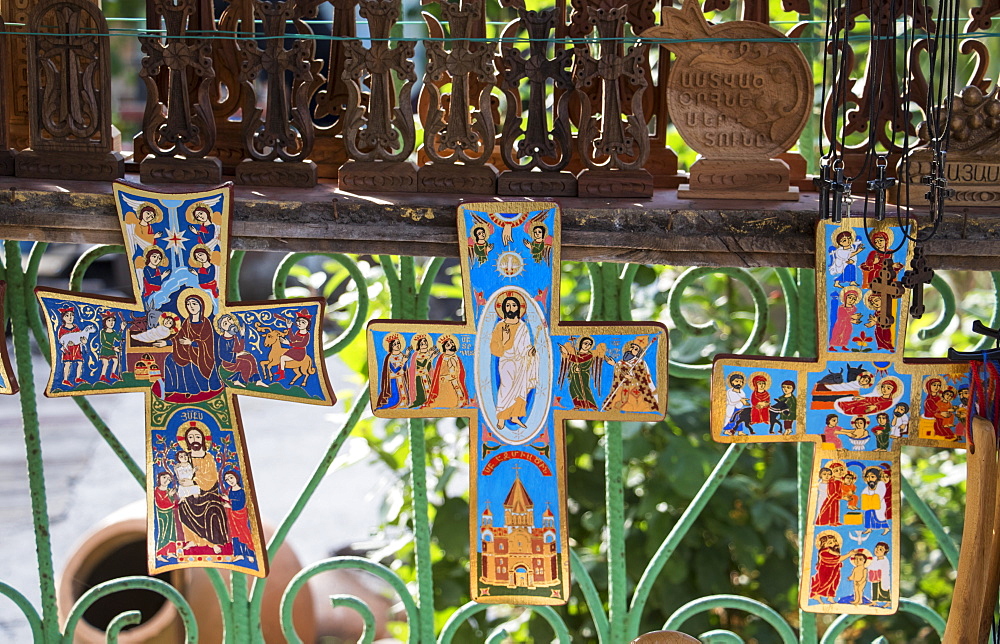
734, 99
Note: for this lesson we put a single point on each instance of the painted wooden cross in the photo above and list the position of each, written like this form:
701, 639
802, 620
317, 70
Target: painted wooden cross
860, 402
182, 343
516, 372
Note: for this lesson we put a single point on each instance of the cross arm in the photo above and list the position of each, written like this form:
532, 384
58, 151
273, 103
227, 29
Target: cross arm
421, 369
619, 375
275, 350
89, 344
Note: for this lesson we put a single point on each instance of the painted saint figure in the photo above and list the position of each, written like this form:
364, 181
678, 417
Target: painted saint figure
890, 390
937, 409
203, 515
859, 575
165, 507
393, 389
238, 517
142, 224
883, 332
582, 365
109, 351
71, 340
760, 399
736, 401
880, 576
786, 407
201, 219
847, 317
184, 471
823, 585
298, 340
518, 361
154, 271
632, 388
448, 378
233, 355
204, 269
843, 259
873, 501
829, 511
540, 246
480, 246
419, 368
878, 258
189, 371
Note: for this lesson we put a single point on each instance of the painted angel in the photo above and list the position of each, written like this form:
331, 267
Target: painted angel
479, 245
204, 222
140, 222
540, 244
582, 364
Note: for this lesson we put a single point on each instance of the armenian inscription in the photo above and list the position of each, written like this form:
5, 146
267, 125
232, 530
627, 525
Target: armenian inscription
738, 103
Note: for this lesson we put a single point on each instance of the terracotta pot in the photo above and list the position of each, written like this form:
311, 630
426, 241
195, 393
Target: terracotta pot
116, 547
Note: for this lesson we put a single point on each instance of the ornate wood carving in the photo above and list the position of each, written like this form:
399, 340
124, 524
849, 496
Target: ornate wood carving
15, 72
379, 136
612, 150
459, 130
972, 167
279, 138
737, 103
6, 154
535, 153
330, 102
69, 98
178, 124
228, 93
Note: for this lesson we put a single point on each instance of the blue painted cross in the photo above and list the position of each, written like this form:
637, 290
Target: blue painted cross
190, 351
517, 373
860, 402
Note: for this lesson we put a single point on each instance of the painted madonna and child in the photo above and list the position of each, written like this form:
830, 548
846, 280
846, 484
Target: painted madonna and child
181, 342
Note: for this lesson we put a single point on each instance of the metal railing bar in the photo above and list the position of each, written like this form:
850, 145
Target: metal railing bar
752, 606
590, 595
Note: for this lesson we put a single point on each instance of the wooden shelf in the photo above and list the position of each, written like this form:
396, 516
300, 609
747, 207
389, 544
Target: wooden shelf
664, 230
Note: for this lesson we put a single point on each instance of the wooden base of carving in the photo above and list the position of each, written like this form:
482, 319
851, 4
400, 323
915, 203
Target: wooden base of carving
748, 179
975, 179
301, 174
229, 146
662, 164
155, 169
80, 166
455, 178
798, 171
536, 184
6, 163
378, 176
328, 154
615, 183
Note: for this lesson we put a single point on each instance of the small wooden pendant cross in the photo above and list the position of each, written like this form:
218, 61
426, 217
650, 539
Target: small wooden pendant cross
516, 372
190, 350
860, 403
919, 275
880, 185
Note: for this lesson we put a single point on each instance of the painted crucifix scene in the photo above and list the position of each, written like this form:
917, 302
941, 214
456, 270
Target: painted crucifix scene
859, 403
517, 372
190, 349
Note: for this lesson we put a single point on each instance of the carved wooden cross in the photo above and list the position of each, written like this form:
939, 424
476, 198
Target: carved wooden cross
536, 146
860, 404
919, 275
880, 185
516, 372
181, 342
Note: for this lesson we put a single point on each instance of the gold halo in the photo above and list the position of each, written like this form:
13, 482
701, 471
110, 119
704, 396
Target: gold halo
192, 261
390, 337
232, 318
163, 254
729, 378
829, 533
850, 289
896, 381
498, 304
416, 339
888, 235
158, 212
447, 336
168, 315
189, 214
757, 374
840, 231
207, 310
186, 426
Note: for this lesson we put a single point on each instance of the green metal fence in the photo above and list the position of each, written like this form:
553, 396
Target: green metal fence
616, 617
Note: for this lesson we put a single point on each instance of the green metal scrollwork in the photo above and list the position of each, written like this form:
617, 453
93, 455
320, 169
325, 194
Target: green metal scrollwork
734, 602
353, 563
841, 624
162, 588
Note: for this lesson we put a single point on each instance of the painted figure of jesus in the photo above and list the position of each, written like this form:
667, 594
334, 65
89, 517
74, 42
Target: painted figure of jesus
518, 368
